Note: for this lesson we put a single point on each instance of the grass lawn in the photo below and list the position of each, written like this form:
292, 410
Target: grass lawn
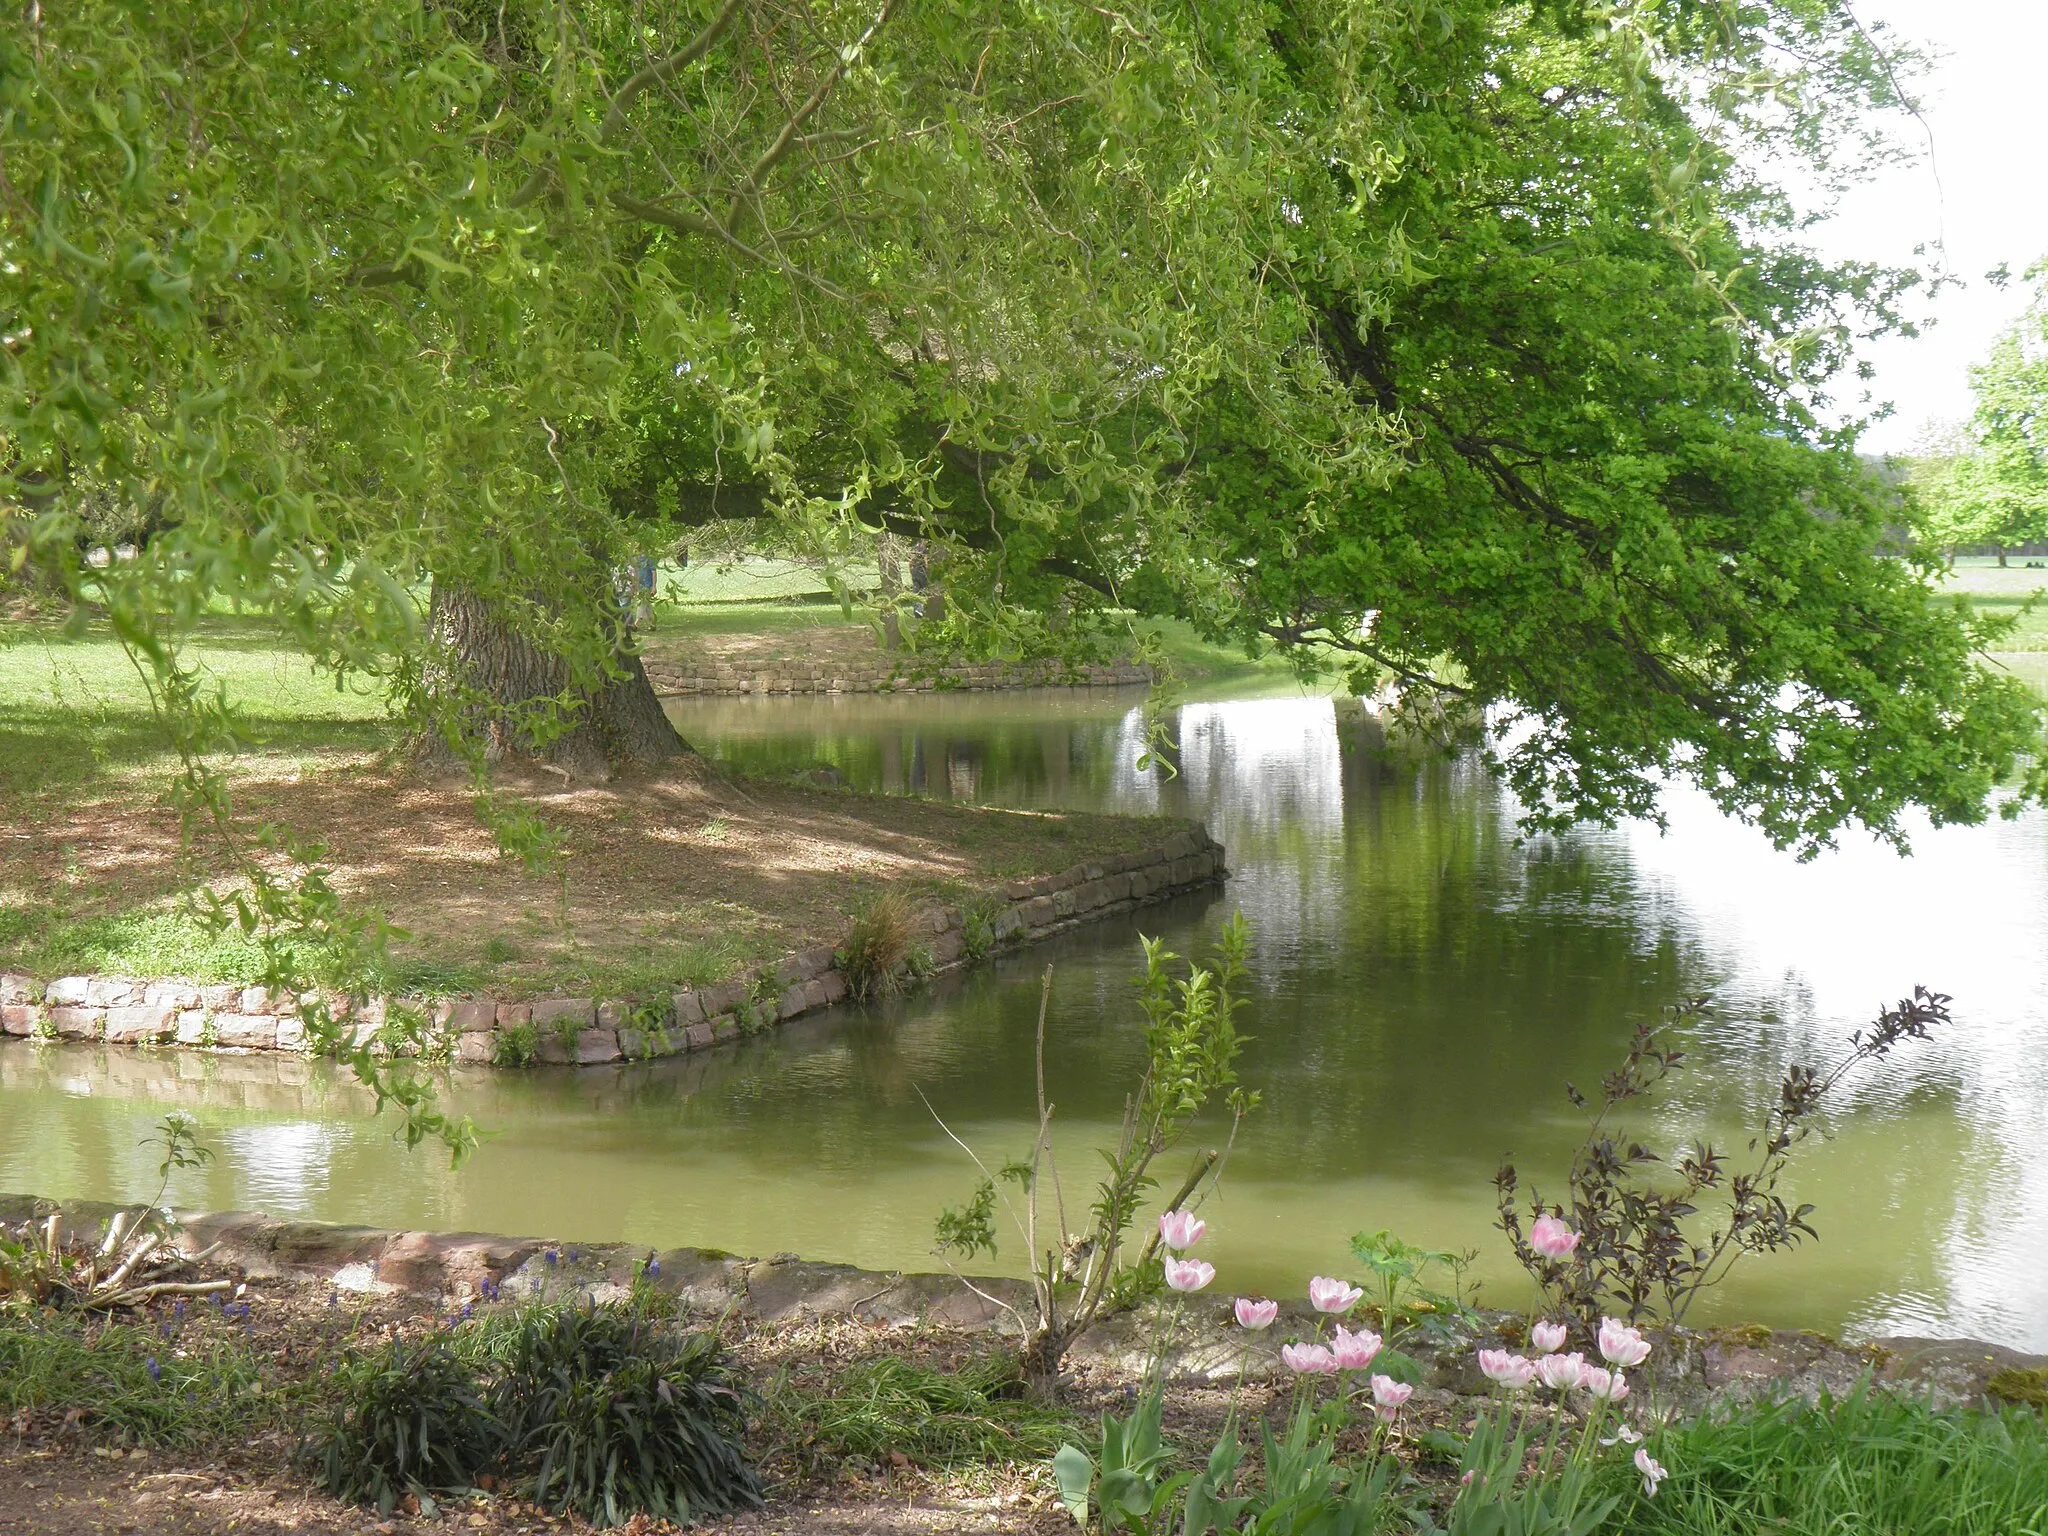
2007, 592
670, 876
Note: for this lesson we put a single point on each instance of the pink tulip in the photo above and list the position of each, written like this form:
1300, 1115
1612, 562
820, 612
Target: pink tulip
1622, 1435
1511, 1371
1551, 1237
1608, 1386
1180, 1231
1562, 1372
1354, 1351
1621, 1344
1388, 1395
1188, 1274
1308, 1359
1256, 1314
1546, 1338
1329, 1295
1653, 1474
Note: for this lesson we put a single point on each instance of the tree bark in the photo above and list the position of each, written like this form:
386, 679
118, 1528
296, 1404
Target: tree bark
495, 681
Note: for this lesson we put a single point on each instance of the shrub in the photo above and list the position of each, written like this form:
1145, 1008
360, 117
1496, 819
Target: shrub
978, 928
408, 1418
878, 947
1867, 1462
516, 1045
621, 1414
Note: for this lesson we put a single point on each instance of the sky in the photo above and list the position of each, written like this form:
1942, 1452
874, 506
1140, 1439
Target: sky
1986, 105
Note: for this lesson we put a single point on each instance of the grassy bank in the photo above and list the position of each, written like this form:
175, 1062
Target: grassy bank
666, 877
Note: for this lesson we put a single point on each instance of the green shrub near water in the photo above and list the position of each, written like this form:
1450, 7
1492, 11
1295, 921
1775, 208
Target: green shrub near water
410, 1419
1868, 1464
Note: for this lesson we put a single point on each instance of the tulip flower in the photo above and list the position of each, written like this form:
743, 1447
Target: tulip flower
1354, 1351
1653, 1474
1329, 1295
1388, 1395
1551, 1237
1622, 1435
1621, 1344
1308, 1359
1188, 1274
1608, 1386
1561, 1372
1256, 1314
1511, 1371
1180, 1231
1547, 1338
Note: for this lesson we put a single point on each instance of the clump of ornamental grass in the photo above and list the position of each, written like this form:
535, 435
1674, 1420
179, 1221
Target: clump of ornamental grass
1866, 1462
408, 1419
878, 948
618, 1414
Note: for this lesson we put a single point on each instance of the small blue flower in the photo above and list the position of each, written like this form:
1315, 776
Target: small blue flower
552, 1256
653, 1267
156, 1372
178, 1311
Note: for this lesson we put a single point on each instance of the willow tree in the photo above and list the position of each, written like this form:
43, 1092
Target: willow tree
1453, 334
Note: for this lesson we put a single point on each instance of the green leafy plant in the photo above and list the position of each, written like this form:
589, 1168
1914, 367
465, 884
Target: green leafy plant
619, 1413
130, 1383
1636, 1252
978, 926
409, 1418
1406, 1304
515, 1045
1191, 1047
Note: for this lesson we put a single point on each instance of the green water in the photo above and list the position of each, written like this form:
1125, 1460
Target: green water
1425, 983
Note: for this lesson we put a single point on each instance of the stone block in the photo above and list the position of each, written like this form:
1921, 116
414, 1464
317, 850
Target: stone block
113, 992
613, 1013
1117, 887
835, 987
251, 1031
219, 996
1037, 912
291, 1032
815, 993
171, 994
724, 1028
475, 1049
1143, 884
790, 973
1067, 902
792, 1002
597, 1045
74, 1023
192, 1026
689, 1008
471, 1015
723, 998
511, 1015
254, 1000
700, 1036
814, 961
67, 991
552, 1013
140, 1023
1008, 921
20, 1018
17, 988
948, 947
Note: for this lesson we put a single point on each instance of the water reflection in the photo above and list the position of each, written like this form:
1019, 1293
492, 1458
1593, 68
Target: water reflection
1426, 980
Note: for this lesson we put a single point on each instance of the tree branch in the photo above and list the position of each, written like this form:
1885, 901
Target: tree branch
663, 70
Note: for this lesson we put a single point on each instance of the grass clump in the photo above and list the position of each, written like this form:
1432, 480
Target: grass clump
936, 1419
410, 1419
1867, 1462
879, 947
134, 1385
2016, 1384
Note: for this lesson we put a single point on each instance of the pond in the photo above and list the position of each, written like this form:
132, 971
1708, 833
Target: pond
1425, 982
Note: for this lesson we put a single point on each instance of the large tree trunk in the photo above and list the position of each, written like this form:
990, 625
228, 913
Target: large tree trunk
487, 677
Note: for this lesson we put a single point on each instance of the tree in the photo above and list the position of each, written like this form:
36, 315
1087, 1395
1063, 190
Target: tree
1991, 487
1452, 334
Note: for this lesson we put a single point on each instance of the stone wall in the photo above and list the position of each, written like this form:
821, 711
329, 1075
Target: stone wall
481, 1031
900, 676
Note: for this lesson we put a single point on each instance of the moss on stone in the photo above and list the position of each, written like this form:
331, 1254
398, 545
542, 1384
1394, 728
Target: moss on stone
2015, 1384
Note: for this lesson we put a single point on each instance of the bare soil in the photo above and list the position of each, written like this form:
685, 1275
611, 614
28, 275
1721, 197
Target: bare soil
672, 875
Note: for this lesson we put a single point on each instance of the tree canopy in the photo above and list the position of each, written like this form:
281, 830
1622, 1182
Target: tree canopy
1989, 483
1467, 338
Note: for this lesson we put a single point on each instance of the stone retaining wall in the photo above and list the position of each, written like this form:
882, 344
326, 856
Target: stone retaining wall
901, 676
120, 1010
1200, 1340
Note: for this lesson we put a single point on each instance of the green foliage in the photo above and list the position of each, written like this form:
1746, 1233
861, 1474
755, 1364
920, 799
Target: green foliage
623, 1414
978, 926
1869, 1461
1562, 1496
935, 1418
407, 1418
131, 1383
